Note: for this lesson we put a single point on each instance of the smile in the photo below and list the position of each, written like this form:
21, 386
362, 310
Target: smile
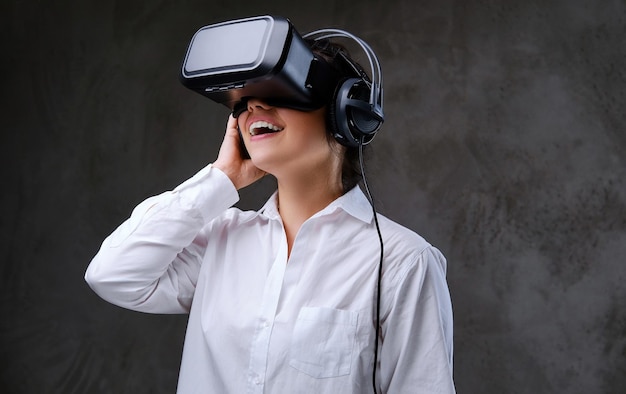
262, 127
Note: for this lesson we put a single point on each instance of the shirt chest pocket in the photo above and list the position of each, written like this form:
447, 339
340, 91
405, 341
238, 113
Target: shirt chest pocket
323, 341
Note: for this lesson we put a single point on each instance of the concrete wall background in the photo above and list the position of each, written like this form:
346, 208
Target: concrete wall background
504, 145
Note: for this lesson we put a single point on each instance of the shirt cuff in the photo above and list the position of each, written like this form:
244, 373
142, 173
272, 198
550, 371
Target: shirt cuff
210, 191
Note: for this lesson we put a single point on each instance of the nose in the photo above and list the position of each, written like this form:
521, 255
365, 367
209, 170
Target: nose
255, 103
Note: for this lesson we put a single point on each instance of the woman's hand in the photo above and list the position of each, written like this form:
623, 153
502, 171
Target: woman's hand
241, 172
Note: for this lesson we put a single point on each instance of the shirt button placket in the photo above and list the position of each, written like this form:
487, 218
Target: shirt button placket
260, 344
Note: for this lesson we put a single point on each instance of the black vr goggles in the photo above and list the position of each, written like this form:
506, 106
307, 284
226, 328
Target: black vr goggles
265, 57
261, 57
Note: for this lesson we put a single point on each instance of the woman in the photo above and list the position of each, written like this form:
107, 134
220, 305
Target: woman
283, 300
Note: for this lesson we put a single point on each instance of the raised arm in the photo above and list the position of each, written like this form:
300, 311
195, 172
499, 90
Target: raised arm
150, 263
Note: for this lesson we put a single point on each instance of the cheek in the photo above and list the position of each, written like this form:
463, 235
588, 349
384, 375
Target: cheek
312, 138
314, 128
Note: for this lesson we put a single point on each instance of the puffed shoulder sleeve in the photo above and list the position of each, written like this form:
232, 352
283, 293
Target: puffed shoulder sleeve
150, 263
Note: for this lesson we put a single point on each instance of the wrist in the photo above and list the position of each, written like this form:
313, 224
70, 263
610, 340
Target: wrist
226, 170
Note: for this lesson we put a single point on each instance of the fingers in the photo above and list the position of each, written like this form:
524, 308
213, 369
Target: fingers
241, 171
232, 125
229, 151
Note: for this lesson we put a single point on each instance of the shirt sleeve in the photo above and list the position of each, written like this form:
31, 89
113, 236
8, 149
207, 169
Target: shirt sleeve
150, 263
416, 352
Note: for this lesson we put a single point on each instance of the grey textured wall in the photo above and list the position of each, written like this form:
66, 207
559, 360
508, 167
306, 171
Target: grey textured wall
505, 146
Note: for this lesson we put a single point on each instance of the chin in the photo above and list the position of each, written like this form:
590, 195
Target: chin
263, 162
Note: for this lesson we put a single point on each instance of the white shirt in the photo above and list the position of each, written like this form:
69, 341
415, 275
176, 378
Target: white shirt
260, 322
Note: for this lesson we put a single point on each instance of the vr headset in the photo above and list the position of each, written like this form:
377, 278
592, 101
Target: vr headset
265, 57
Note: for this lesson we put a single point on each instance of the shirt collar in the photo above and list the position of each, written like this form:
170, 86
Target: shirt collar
270, 209
353, 202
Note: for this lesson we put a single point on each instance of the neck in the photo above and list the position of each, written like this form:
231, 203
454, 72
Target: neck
301, 198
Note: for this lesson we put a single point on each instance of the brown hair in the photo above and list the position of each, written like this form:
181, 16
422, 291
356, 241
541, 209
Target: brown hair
335, 55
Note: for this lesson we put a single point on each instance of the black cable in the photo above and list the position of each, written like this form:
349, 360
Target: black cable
380, 264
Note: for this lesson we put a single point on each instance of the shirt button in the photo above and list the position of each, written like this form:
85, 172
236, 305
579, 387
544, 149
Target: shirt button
265, 324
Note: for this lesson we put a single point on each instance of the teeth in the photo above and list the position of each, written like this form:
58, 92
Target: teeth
261, 124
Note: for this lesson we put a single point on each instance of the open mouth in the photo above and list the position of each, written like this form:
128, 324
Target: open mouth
263, 127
